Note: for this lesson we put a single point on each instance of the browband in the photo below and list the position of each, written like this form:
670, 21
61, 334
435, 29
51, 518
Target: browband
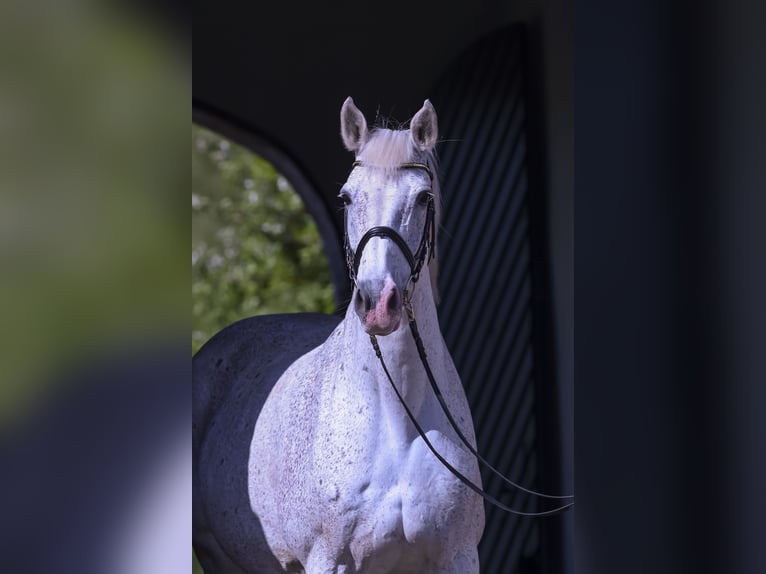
410, 165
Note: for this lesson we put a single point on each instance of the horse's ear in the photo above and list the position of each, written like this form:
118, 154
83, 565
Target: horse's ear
423, 127
353, 126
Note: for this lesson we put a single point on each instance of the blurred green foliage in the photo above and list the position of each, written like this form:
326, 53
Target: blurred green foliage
255, 248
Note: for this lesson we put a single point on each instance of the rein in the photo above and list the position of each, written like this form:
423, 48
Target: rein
416, 262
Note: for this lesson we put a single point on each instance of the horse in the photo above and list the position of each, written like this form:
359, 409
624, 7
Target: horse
319, 446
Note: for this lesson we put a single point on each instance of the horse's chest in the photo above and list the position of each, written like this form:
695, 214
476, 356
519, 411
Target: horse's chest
376, 489
390, 499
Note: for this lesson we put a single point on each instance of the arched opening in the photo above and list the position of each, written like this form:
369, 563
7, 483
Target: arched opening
256, 248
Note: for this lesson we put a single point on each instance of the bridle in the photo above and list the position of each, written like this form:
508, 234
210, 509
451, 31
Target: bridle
416, 261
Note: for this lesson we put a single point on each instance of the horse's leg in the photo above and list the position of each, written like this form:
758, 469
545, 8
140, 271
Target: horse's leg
322, 560
464, 561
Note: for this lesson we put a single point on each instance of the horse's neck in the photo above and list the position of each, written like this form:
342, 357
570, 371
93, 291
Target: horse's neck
400, 352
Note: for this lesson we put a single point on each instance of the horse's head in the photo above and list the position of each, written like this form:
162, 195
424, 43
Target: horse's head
391, 200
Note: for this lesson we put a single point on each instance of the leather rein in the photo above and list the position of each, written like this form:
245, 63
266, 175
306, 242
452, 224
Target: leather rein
417, 260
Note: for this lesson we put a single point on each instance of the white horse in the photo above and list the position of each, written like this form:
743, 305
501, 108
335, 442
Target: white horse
305, 458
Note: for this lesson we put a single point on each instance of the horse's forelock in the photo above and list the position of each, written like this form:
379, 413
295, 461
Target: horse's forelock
388, 149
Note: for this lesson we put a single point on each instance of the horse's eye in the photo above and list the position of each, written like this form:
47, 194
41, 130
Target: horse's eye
345, 197
424, 197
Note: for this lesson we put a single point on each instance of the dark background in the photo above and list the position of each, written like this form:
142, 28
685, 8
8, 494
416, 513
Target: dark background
670, 333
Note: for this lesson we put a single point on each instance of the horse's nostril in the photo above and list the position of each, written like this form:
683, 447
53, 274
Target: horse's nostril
393, 300
363, 300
